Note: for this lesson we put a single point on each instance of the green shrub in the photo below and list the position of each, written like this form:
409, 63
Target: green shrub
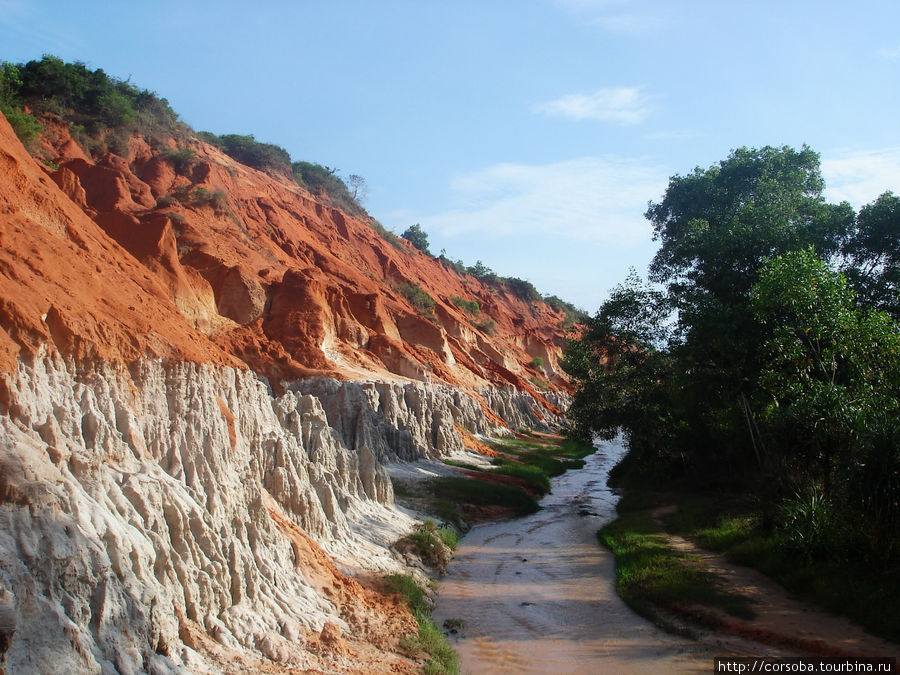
429, 542
324, 182
102, 108
524, 290
214, 198
182, 158
482, 271
417, 237
417, 297
456, 265
386, 234
247, 150
537, 363
470, 306
26, 126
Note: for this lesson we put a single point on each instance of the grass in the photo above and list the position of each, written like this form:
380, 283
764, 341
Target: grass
433, 544
532, 460
429, 640
482, 493
470, 306
652, 576
832, 579
532, 474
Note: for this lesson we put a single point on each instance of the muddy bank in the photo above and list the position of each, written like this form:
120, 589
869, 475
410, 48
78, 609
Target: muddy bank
537, 595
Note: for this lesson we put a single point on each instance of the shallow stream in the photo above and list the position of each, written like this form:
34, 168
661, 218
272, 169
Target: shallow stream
537, 595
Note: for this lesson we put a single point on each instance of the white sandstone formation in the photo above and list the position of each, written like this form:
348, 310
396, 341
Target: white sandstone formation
140, 506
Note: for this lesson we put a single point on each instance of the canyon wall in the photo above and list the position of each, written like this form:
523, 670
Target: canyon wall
197, 401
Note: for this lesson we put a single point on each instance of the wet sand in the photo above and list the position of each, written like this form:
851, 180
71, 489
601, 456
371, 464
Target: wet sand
537, 594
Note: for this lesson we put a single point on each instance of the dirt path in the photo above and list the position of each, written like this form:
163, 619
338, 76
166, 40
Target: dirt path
537, 594
784, 625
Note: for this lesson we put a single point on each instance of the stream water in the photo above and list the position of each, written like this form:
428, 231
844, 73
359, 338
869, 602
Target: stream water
537, 595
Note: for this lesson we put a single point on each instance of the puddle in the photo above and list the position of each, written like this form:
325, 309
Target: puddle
536, 595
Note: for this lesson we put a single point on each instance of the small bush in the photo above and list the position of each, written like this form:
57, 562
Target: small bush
524, 290
429, 542
214, 198
486, 326
26, 126
808, 524
386, 234
482, 271
537, 363
324, 182
182, 158
538, 383
247, 150
470, 306
456, 265
417, 297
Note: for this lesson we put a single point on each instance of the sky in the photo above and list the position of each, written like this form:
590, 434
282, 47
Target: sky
527, 134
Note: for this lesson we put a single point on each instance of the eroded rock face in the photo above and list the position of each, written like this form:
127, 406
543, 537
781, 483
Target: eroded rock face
136, 502
408, 421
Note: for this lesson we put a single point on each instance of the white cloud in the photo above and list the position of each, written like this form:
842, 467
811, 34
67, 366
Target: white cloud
890, 53
618, 16
861, 177
590, 199
620, 105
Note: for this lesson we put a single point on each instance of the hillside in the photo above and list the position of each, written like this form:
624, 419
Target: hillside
205, 369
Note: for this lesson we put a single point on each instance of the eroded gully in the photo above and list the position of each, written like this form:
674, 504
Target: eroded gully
537, 595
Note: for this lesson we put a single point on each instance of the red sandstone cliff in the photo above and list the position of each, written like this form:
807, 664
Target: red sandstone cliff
224, 263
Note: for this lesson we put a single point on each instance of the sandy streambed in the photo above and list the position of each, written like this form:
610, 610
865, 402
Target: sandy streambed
537, 595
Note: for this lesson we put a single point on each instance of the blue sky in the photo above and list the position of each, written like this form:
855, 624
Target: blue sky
528, 134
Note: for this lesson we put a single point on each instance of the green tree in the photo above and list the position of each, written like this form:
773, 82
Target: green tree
717, 226
417, 237
873, 254
26, 127
624, 377
832, 380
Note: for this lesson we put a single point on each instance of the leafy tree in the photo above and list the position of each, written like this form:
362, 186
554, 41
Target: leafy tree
26, 127
873, 253
758, 352
481, 271
99, 108
832, 377
716, 227
417, 237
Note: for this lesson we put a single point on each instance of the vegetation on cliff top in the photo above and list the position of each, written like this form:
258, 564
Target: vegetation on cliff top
103, 113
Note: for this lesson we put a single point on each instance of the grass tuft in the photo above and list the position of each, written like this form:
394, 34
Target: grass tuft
429, 640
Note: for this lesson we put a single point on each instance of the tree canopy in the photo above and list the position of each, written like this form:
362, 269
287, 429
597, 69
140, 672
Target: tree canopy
769, 349
416, 236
